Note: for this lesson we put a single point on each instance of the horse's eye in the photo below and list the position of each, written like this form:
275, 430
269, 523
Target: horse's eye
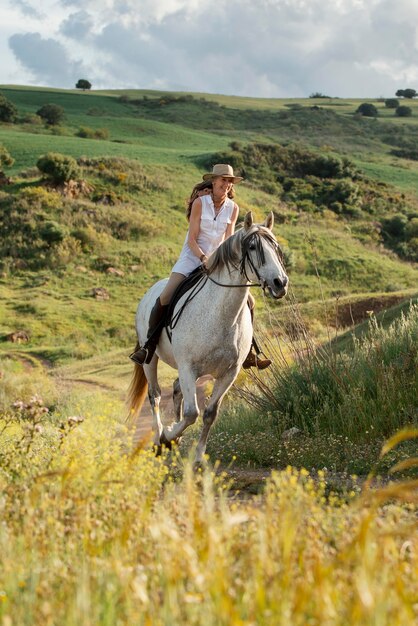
252, 246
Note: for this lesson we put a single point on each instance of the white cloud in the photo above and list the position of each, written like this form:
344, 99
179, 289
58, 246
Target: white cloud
269, 48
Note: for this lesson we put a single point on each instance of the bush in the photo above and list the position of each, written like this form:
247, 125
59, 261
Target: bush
85, 132
403, 111
395, 225
6, 160
8, 111
391, 103
51, 113
367, 109
58, 167
32, 118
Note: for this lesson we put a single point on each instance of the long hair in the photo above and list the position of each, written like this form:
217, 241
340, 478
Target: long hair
197, 190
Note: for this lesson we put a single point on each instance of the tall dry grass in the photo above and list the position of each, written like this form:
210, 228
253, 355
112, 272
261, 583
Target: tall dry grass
93, 533
364, 393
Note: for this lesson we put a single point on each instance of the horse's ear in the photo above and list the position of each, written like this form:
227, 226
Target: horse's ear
269, 221
248, 220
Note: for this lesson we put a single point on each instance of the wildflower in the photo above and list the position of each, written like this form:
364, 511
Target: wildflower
75, 419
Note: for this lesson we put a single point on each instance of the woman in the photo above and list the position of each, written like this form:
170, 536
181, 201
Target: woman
212, 215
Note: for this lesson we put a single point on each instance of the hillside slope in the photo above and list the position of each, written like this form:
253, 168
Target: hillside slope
56, 249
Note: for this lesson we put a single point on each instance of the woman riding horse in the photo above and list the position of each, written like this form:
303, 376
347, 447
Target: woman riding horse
212, 216
208, 340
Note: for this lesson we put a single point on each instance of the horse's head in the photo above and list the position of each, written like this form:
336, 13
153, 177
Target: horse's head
262, 258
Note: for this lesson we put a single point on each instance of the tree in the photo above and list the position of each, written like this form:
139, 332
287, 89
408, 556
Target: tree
8, 111
52, 113
83, 84
58, 167
391, 103
367, 109
403, 111
406, 93
318, 94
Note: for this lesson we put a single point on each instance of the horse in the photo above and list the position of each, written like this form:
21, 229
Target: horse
212, 333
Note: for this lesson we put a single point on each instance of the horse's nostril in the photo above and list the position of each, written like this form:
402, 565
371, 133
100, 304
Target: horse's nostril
280, 284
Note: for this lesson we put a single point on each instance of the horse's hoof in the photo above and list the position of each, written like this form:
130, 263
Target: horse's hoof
164, 441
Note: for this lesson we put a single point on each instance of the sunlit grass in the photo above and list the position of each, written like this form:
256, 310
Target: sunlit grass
95, 533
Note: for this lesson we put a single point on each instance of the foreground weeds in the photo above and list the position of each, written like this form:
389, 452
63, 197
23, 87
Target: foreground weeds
340, 406
95, 533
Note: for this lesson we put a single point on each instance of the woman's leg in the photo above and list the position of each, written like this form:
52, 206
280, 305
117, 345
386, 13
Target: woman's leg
173, 282
156, 319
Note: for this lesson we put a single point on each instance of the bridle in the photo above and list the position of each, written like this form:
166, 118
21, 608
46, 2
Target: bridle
252, 242
249, 242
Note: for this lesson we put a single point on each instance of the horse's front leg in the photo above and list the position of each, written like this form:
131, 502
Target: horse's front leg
154, 396
210, 414
187, 381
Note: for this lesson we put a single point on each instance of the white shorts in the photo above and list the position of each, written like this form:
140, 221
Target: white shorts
185, 265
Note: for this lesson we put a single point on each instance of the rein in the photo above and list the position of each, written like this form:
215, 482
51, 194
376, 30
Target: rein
232, 286
253, 240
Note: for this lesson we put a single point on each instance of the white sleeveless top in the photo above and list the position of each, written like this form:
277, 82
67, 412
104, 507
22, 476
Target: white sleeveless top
211, 233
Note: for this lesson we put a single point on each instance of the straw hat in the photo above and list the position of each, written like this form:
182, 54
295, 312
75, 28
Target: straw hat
224, 170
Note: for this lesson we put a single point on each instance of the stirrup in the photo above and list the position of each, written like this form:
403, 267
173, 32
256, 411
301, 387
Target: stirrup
140, 360
253, 360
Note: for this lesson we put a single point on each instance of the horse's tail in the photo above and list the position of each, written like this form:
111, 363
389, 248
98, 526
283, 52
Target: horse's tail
137, 391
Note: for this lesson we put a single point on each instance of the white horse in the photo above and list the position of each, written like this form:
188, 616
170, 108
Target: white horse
213, 333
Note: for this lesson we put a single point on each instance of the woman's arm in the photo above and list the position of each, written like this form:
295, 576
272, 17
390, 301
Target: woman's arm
194, 229
230, 229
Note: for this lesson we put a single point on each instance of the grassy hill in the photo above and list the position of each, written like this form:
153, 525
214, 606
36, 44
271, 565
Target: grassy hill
158, 145
346, 212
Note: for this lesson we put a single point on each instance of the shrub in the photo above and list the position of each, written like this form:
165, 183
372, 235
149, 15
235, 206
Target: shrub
6, 160
406, 153
51, 113
32, 118
395, 225
58, 167
367, 109
8, 111
51, 232
403, 111
86, 132
391, 103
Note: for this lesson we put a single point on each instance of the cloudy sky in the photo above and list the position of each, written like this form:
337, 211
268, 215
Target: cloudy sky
263, 48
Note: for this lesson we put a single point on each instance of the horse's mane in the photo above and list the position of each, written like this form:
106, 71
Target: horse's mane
231, 251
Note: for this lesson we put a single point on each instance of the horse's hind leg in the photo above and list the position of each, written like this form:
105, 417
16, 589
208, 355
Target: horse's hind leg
210, 414
178, 400
154, 395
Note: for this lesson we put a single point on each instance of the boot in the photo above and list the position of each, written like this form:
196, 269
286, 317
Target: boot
155, 325
253, 360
